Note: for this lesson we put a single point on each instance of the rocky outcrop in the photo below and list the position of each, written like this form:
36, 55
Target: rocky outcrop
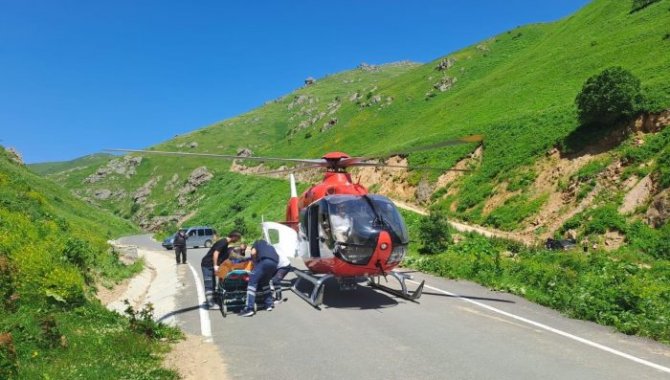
244, 152
102, 194
329, 124
423, 191
15, 156
140, 196
637, 196
300, 100
197, 178
170, 185
367, 67
445, 64
444, 84
652, 122
659, 210
157, 222
125, 166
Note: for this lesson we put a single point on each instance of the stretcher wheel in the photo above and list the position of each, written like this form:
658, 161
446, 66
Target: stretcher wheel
224, 309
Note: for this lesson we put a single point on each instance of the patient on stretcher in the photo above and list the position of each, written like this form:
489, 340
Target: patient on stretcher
238, 259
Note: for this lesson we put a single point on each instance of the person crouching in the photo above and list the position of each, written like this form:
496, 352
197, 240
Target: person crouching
210, 265
265, 265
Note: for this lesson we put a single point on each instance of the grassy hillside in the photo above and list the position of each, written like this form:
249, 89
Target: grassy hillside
52, 251
516, 88
86, 163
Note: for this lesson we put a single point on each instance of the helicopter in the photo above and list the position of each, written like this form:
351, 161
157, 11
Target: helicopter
338, 229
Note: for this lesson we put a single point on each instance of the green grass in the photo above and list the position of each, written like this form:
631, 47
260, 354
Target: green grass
53, 250
86, 163
627, 289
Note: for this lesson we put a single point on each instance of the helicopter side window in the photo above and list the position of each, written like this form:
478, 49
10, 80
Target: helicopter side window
326, 242
313, 230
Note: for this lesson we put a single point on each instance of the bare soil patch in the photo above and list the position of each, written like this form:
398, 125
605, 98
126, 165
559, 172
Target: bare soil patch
195, 359
107, 296
390, 182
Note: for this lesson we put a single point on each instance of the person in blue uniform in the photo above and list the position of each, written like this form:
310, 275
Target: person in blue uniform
210, 265
265, 265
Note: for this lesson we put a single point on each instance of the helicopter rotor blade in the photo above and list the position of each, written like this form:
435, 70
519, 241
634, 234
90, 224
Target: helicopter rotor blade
224, 156
407, 167
288, 170
441, 144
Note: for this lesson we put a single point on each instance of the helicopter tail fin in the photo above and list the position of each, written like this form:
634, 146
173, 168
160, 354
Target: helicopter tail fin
292, 213
294, 192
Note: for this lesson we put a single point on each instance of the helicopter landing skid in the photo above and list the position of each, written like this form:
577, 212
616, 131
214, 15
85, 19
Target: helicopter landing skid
403, 292
315, 297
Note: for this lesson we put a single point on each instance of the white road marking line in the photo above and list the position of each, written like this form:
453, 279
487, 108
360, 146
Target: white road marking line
553, 330
205, 323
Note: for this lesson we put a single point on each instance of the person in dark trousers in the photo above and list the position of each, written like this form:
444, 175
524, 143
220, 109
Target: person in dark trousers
265, 265
179, 244
283, 268
210, 265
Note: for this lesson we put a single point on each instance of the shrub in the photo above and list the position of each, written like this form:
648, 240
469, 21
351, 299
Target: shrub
603, 219
9, 368
664, 168
142, 322
65, 285
434, 232
514, 210
639, 4
77, 252
7, 285
614, 94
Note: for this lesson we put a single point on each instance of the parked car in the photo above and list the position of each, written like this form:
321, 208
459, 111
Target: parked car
200, 236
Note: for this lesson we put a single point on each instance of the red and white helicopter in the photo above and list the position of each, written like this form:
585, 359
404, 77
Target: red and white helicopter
336, 226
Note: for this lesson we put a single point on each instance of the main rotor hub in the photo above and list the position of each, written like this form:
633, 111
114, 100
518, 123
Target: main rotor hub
333, 159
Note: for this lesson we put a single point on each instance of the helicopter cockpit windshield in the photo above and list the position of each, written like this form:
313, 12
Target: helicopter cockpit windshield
358, 220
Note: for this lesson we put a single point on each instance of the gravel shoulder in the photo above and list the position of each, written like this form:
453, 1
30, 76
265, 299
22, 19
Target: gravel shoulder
159, 284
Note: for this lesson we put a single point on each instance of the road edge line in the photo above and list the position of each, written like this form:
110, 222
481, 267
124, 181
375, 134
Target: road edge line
205, 322
553, 330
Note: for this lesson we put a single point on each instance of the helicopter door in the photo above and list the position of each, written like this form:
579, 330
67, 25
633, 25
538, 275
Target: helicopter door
283, 238
313, 230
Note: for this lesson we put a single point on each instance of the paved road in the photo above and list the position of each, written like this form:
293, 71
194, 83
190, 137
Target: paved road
458, 331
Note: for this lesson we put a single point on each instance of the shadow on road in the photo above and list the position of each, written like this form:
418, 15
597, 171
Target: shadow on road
362, 298
177, 312
467, 297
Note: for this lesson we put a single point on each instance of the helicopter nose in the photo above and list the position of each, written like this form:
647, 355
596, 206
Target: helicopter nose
384, 247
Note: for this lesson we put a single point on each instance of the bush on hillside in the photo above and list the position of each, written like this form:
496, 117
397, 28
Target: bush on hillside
434, 232
639, 4
613, 95
664, 169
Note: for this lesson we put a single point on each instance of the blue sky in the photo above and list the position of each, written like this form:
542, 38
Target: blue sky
80, 76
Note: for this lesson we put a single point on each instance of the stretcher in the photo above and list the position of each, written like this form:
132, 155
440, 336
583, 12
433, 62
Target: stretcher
231, 288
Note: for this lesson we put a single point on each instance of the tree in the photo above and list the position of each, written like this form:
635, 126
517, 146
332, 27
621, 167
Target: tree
434, 232
608, 97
